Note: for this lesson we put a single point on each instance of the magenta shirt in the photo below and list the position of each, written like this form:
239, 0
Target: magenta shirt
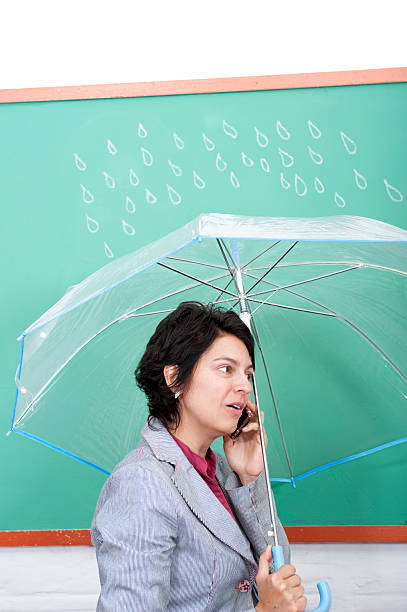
206, 467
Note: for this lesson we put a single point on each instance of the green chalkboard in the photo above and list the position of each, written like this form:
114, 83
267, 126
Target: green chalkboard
84, 181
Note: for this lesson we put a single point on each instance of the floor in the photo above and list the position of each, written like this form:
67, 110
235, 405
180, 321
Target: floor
362, 577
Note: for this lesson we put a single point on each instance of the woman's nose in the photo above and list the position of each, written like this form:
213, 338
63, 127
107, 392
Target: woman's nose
244, 384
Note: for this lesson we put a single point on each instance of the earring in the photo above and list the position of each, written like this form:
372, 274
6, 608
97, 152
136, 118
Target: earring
177, 394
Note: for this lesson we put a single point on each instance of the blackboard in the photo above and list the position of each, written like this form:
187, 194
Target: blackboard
108, 169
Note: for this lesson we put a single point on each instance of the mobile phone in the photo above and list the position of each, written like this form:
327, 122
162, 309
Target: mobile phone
243, 420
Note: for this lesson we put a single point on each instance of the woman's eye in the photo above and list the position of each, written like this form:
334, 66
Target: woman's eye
225, 368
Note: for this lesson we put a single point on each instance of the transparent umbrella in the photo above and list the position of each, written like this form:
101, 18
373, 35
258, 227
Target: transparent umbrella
326, 301
327, 298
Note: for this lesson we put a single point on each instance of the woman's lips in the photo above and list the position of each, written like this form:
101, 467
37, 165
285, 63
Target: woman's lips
235, 411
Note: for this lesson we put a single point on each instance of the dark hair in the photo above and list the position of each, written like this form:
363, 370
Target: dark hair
180, 339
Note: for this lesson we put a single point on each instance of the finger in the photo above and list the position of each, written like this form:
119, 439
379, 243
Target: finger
264, 562
292, 597
252, 407
286, 571
293, 581
251, 427
254, 426
256, 415
298, 591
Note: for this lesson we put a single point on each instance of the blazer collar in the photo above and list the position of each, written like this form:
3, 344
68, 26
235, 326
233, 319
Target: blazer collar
196, 493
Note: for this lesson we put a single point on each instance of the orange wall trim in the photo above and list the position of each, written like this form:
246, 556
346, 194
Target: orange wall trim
197, 86
320, 533
347, 533
46, 537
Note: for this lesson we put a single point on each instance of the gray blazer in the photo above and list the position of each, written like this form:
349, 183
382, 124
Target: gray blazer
164, 542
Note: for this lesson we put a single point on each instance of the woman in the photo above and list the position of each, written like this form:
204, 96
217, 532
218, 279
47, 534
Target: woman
177, 527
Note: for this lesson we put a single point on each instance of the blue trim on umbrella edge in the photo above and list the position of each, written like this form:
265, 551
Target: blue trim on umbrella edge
59, 449
339, 461
288, 480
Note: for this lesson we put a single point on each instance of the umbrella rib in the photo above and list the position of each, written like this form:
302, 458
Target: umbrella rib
256, 335
130, 314
198, 263
61, 367
252, 260
250, 298
335, 263
224, 248
163, 297
373, 343
271, 303
341, 318
133, 315
303, 282
260, 254
271, 268
202, 282
217, 300
265, 303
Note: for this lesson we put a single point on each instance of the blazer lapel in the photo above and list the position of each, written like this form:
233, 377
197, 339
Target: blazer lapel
196, 493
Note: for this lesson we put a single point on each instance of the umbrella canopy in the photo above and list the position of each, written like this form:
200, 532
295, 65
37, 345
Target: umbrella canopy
328, 303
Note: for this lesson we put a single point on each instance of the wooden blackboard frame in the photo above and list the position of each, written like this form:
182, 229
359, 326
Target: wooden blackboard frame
320, 533
199, 86
296, 534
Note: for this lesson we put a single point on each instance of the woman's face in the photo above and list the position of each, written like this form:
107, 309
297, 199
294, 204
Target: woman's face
220, 379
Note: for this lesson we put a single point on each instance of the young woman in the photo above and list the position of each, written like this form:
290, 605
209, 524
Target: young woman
177, 527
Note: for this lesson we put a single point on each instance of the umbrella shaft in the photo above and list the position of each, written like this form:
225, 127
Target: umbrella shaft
273, 531
246, 316
244, 311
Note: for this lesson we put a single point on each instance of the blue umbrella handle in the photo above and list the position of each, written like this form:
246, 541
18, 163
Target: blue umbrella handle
323, 587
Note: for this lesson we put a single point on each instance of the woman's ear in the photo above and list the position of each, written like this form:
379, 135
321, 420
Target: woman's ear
170, 375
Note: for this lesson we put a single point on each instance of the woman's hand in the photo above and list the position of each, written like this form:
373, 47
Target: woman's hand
244, 454
282, 590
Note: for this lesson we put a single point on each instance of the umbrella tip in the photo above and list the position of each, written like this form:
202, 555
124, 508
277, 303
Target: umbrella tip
8, 433
293, 482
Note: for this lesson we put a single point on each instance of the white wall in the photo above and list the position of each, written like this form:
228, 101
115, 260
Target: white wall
78, 42
362, 577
